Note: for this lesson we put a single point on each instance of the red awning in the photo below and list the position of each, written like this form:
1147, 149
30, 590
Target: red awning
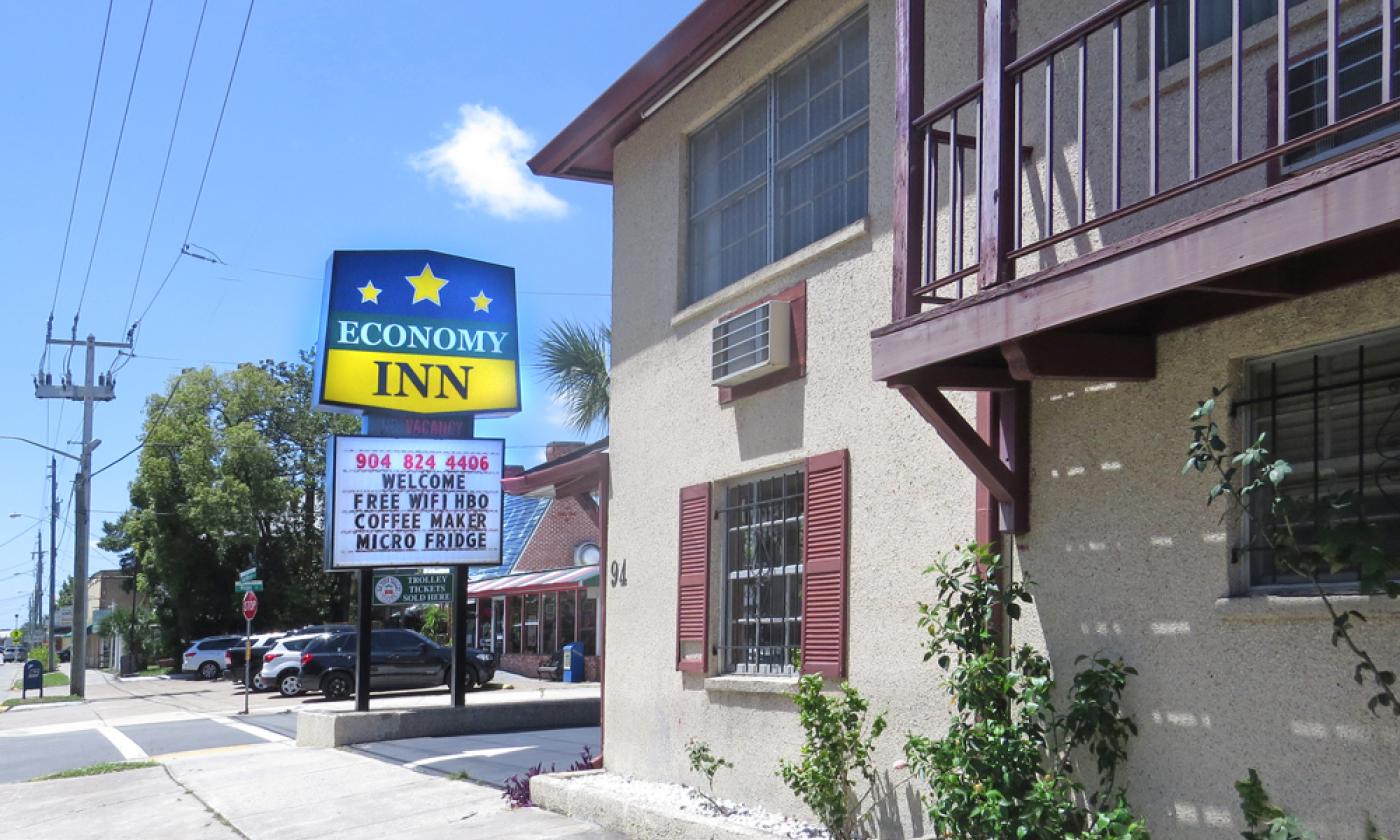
550, 581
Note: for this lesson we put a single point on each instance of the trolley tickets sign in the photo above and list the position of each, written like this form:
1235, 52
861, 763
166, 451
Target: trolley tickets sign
411, 502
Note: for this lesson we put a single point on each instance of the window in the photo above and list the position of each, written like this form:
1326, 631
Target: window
783, 167
1334, 414
1358, 88
515, 611
587, 554
588, 622
532, 624
547, 602
568, 602
762, 621
1212, 24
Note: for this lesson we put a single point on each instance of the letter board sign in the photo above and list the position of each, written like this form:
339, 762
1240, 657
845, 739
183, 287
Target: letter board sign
411, 502
418, 332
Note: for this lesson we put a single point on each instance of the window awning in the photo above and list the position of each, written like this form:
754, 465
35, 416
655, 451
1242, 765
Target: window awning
550, 581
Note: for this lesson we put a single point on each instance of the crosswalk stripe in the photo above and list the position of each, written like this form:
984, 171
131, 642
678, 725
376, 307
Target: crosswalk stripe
255, 731
129, 749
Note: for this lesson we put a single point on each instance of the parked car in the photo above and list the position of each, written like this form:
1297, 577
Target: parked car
65, 655
205, 657
398, 659
281, 666
233, 657
14, 653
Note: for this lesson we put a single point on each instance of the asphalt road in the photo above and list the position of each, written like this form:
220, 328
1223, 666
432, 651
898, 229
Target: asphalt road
173, 719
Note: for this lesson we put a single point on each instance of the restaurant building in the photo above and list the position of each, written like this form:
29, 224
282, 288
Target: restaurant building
545, 594
901, 275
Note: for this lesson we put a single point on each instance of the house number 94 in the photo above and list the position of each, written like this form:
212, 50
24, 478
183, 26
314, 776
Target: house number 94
618, 573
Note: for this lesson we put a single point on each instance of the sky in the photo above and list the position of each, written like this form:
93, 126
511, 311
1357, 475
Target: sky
350, 124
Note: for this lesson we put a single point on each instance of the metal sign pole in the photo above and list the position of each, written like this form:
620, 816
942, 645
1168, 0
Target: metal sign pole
362, 649
247, 663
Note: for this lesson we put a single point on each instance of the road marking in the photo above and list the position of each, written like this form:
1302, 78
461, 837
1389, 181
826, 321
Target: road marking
491, 752
84, 725
175, 756
127, 747
255, 731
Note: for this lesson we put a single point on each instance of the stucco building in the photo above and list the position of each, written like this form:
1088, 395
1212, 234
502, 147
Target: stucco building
1008, 249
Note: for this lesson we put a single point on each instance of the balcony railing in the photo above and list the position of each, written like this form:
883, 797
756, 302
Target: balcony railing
1080, 129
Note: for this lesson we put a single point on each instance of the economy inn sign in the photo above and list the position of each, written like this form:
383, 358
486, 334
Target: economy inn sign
419, 332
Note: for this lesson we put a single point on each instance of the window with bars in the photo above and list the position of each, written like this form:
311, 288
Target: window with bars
783, 167
1333, 413
1213, 24
762, 522
1358, 88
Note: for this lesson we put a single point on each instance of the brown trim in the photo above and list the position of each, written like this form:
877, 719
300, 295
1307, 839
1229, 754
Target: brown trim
825, 547
583, 150
1065, 355
566, 477
908, 218
1350, 197
796, 296
693, 577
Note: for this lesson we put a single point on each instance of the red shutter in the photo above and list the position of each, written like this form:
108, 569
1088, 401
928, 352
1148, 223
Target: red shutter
824, 548
693, 594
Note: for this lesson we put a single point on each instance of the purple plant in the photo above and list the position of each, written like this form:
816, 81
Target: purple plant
517, 788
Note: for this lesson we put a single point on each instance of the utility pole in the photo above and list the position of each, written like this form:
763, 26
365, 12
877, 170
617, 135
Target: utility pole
95, 388
38, 578
53, 552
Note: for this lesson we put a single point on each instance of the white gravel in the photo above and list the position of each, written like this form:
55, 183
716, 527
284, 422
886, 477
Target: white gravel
684, 800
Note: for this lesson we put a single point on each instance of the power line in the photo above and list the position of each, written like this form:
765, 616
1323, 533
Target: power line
111, 172
82, 160
233, 73
160, 415
165, 168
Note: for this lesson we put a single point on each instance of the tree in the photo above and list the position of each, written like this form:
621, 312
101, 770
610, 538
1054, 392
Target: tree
574, 360
230, 477
65, 593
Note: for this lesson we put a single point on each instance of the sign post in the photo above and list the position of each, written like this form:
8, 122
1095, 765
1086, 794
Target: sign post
250, 609
420, 344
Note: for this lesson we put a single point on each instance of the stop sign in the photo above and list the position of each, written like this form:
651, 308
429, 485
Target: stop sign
250, 605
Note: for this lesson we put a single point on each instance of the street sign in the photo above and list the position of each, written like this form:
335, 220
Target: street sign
16, 636
250, 605
409, 502
248, 574
418, 332
64, 617
248, 586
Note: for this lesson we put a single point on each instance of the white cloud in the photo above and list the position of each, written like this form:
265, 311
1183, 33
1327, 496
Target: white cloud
484, 160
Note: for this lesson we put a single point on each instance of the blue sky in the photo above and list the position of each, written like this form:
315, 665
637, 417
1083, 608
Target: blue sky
352, 124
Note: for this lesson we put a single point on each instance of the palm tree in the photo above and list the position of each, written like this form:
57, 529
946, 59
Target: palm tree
574, 361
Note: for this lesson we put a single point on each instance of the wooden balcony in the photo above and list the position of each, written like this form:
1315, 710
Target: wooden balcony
1076, 200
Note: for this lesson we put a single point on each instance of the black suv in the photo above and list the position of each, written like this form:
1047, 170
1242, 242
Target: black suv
398, 659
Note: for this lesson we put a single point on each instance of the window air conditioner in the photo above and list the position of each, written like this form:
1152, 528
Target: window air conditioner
752, 343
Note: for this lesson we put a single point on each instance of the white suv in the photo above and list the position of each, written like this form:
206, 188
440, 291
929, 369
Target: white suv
281, 667
205, 657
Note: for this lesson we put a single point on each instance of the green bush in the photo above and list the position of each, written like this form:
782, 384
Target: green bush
835, 754
1004, 768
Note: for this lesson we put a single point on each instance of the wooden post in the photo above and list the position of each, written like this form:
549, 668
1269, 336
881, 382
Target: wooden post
998, 147
908, 222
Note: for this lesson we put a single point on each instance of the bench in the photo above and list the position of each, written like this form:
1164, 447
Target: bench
550, 667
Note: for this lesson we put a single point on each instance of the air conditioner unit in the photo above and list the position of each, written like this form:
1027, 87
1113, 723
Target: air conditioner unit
752, 343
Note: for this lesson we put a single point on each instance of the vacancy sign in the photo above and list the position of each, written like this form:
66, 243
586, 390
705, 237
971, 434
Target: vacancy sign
413, 502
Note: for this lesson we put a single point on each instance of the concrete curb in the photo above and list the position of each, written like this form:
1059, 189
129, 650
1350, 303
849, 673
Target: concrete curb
554, 792
338, 729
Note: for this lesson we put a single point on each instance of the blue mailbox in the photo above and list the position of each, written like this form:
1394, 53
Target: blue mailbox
572, 670
33, 677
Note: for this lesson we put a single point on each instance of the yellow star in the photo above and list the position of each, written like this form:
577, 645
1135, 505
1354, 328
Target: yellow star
368, 292
482, 302
426, 286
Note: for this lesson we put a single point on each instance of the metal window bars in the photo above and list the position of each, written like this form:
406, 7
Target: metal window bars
1334, 415
762, 571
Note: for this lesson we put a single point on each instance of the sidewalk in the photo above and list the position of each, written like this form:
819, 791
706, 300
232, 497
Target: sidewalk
273, 791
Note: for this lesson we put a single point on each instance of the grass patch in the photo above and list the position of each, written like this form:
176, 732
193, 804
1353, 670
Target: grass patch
153, 671
34, 701
96, 770
461, 776
52, 679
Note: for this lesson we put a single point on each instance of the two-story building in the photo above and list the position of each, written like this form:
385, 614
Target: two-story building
890, 276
